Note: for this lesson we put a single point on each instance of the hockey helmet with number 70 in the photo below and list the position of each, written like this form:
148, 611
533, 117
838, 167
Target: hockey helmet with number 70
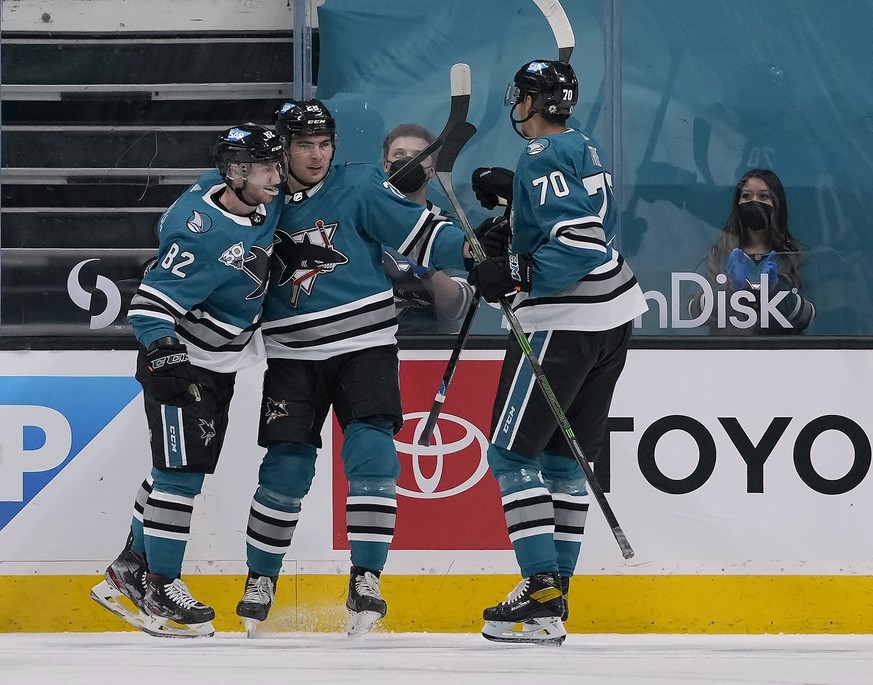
552, 85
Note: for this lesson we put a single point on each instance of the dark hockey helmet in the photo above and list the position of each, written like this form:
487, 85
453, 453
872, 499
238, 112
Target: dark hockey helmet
304, 118
552, 84
245, 144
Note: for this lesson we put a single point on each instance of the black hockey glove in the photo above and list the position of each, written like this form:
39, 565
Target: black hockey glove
493, 186
499, 276
170, 378
495, 235
410, 283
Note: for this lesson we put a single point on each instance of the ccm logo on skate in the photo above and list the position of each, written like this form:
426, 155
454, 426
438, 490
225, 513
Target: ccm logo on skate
46, 424
443, 469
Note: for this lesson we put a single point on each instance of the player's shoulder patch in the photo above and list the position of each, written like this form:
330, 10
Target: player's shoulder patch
198, 222
535, 147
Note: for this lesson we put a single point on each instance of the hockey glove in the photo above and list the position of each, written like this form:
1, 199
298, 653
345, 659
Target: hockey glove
493, 186
410, 282
170, 378
505, 275
738, 269
494, 235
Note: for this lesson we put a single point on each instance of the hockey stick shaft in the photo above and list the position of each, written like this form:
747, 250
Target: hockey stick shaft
460, 91
444, 176
448, 374
560, 25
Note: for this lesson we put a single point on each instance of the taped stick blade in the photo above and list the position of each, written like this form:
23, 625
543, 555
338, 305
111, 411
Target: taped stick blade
456, 138
560, 25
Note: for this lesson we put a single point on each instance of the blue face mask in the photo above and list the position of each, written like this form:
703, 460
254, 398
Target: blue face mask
756, 216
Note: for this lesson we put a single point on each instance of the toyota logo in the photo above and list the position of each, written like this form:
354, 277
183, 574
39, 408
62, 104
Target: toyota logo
440, 456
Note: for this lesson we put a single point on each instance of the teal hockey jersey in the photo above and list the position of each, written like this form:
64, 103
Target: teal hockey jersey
328, 291
564, 214
207, 286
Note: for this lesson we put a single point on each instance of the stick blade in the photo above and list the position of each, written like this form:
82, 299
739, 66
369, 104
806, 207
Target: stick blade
456, 138
560, 25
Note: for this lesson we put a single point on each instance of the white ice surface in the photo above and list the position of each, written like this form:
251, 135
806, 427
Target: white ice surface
422, 659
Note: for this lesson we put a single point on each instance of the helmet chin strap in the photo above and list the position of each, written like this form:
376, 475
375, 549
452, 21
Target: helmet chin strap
239, 193
516, 122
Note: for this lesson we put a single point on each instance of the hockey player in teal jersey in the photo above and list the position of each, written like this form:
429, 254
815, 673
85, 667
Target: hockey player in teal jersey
576, 299
329, 327
196, 316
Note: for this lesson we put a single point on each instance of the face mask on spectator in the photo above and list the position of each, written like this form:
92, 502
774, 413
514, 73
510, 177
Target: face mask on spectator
410, 181
755, 215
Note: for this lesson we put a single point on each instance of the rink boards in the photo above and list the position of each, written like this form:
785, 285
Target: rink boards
741, 479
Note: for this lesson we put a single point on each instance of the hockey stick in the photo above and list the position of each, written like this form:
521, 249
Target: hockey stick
560, 26
566, 40
451, 148
460, 90
439, 400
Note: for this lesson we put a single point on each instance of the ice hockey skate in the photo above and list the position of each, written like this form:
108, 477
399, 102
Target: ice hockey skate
123, 588
172, 611
365, 603
531, 613
255, 605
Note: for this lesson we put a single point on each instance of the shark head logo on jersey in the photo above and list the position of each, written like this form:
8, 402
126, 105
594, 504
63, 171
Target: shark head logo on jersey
305, 255
198, 223
535, 147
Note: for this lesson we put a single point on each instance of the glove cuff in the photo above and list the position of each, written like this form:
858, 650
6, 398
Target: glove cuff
166, 341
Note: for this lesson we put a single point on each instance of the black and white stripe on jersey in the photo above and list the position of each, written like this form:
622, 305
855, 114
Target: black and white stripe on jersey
347, 324
212, 335
148, 301
586, 233
594, 298
419, 243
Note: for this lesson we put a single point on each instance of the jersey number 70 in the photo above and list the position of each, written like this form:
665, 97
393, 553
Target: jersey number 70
558, 185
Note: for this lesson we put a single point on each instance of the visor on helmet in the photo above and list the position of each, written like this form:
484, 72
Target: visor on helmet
512, 95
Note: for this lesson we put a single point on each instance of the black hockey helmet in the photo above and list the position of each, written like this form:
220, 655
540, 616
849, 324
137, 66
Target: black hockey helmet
552, 84
304, 118
244, 144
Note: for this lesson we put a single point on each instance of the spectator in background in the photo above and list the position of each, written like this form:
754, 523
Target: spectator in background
754, 267
427, 301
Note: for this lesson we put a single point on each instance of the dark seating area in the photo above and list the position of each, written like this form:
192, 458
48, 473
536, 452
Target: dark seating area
100, 134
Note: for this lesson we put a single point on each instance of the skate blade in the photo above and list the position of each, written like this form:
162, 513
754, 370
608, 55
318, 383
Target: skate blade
109, 597
361, 622
251, 625
163, 627
542, 631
